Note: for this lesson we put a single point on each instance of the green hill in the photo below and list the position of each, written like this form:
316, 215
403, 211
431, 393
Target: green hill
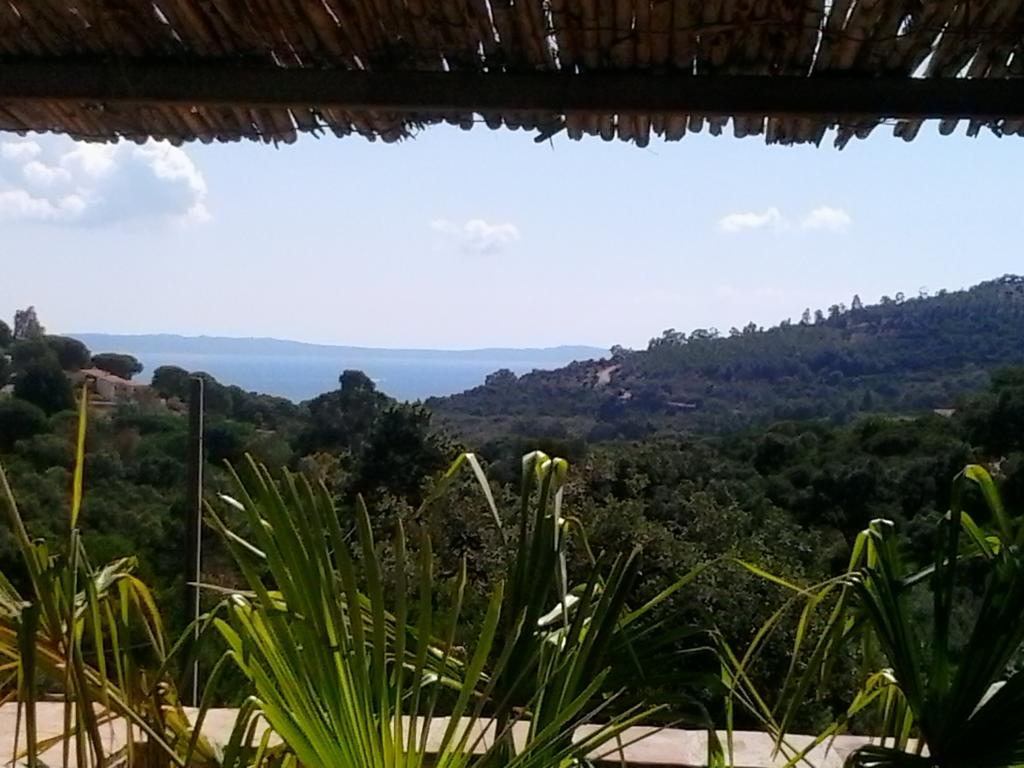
901, 355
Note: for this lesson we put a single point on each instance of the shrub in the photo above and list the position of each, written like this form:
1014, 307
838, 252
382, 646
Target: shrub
19, 419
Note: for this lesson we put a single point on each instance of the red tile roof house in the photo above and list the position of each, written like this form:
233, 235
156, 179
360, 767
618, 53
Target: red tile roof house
107, 389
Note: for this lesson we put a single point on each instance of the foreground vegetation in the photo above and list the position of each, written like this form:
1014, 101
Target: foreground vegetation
731, 563
348, 661
336, 658
792, 497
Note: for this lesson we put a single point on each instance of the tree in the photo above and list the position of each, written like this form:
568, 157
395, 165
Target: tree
670, 337
399, 452
226, 441
805, 318
819, 317
24, 352
856, 305
6, 336
353, 382
44, 383
171, 381
341, 419
26, 324
501, 378
72, 355
19, 420
121, 365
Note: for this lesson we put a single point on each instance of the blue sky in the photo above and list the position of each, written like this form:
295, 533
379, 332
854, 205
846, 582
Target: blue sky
459, 240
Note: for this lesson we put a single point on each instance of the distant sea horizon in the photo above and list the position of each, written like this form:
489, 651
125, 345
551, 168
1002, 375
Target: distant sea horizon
300, 370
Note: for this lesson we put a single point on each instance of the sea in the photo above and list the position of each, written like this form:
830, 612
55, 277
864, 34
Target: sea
301, 371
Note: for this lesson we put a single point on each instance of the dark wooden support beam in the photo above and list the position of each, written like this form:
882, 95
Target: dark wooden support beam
194, 531
197, 83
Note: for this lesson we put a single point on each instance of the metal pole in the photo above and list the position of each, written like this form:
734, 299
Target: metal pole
194, 529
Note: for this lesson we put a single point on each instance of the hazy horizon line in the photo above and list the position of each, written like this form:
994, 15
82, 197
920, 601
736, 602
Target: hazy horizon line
333, 345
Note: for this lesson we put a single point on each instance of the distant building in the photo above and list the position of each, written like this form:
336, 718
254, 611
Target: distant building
108, 389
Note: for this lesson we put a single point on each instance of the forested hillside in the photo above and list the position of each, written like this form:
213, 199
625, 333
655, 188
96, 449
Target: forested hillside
904, 355
772, 463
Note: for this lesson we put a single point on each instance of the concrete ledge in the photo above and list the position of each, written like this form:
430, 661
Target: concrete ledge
643, 747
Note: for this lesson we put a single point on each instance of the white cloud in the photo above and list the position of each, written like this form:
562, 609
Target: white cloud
736, 222
824, 218
91, 159
44, 175
171, 163
479, 236
99, 183
19, 150
827, 218
19, 204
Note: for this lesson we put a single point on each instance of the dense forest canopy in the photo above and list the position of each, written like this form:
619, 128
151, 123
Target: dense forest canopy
901, 355
776, 446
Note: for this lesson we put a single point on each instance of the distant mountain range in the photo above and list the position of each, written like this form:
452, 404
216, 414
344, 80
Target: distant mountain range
229, 345
299, 370
903, 355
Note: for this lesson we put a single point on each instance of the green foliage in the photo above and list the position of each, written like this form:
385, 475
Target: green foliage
45, 451
337, 667
44, 384
226, 440
25, 352
341, 419
171, 381
948, 676
916, 355
91, 633
398, 451
6, 335
19, 419
72, 355
121, 365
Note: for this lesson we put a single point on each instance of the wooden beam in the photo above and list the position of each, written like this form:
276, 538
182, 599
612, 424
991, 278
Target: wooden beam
620, 92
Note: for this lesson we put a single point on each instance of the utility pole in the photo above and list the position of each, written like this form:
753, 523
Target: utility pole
194, 531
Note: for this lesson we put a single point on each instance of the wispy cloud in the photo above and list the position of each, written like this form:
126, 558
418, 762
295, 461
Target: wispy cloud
828, 218
57, 179
822, 218
479, 236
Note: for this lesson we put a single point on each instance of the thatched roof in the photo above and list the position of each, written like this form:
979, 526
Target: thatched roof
269, 69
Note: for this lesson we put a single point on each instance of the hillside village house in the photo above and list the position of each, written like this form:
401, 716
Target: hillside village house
107, 389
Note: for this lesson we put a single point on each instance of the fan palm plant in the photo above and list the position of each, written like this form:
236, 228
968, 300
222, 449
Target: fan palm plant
566, 639
347, 678
940, 702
